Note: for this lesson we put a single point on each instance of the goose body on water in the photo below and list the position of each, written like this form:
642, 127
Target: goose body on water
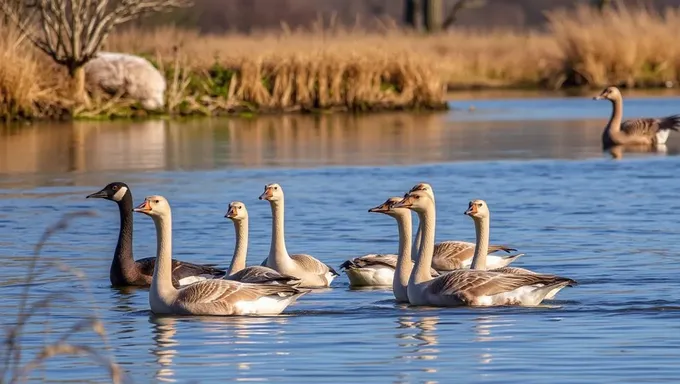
125, 270
217, 297
478, 210
453, 254
467, 287
238, 271
380, 269
312, 272
641, 131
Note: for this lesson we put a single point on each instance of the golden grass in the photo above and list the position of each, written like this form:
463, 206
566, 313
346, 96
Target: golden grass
330, 68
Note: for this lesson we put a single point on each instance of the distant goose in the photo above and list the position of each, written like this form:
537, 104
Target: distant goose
454, 254
312, 272
642, 131
125, 271
256, 273
208, 297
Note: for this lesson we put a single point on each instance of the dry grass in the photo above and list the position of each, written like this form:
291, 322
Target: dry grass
14, 367
330, 68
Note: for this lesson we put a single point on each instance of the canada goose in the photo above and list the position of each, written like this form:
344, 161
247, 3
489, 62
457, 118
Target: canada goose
125, 270
312, 272
467, 287
478, 210
453, 254
208, 297
642, 131
238, 271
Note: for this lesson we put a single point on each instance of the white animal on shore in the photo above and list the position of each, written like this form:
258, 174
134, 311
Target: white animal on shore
128, 75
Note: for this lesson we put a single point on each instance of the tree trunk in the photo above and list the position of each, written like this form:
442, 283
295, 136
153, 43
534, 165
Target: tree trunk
432, 10
78, 85
410, 13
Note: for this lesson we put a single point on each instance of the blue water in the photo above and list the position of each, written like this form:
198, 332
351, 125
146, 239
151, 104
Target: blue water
552, 193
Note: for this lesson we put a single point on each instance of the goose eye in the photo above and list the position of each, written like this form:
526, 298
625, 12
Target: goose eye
276, 188
115, 187
480, 204
417, 197
240, 207
156, 201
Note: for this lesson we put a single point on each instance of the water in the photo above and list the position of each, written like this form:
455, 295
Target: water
552, 193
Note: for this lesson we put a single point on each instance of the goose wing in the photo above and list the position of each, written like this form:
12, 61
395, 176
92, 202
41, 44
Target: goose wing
227, 293
311, 264
180, 269
466, 285
262, 275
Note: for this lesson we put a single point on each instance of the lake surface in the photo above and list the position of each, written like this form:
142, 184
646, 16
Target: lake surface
575, 211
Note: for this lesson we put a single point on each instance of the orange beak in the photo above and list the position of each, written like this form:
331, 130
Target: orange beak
472, 209
267, 194
144, 207
382, 208
231, 213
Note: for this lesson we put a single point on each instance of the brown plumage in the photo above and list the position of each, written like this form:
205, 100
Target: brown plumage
452, 255
641, 131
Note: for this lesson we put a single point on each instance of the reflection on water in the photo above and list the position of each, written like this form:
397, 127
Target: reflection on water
288, 141
165, 347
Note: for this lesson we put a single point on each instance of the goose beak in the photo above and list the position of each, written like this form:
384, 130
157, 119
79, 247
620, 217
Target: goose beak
406, 202
267, 194
231, 213
144, 207
100, 195
472, 209
599, 97
382, 208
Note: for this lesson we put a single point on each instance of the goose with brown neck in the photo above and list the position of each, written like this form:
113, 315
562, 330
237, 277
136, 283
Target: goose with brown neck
454, 254
125, 270
641, 131
380, 269
478, 210
214, 297
312, 272
467, 287
238, 271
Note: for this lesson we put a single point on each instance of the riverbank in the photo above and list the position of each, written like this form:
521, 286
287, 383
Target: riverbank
321, 70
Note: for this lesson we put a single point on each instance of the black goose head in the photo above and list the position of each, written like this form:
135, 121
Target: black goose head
115, 191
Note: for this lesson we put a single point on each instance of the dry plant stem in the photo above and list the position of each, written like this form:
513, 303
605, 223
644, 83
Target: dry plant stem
12, 364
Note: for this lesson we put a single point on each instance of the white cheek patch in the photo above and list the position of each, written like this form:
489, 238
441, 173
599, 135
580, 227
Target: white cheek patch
120, 194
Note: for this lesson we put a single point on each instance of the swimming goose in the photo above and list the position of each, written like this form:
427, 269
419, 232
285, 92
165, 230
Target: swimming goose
379, 269
453, 254
642, 131
125, 270
478, 210
467, 287
256, 273
208, 297
312, 272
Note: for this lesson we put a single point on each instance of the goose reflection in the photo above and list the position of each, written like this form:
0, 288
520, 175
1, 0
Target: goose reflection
618, 151
165, 347
483, 327
421, 345
229, 342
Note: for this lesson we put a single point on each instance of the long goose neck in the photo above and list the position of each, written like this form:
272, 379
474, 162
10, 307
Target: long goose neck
424, 262
614, 124
482, 243
238, 261
404, 262
415, 250
162, 273
278, 245
122, 258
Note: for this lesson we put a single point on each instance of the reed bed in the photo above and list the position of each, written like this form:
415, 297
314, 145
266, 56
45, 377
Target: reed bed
332, 68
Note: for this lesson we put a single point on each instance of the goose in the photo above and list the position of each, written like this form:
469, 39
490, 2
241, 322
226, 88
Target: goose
380, 269
453, 254
312, 272
238, 271
478, 210
214, 297
467, 287
125, 270
642, 131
